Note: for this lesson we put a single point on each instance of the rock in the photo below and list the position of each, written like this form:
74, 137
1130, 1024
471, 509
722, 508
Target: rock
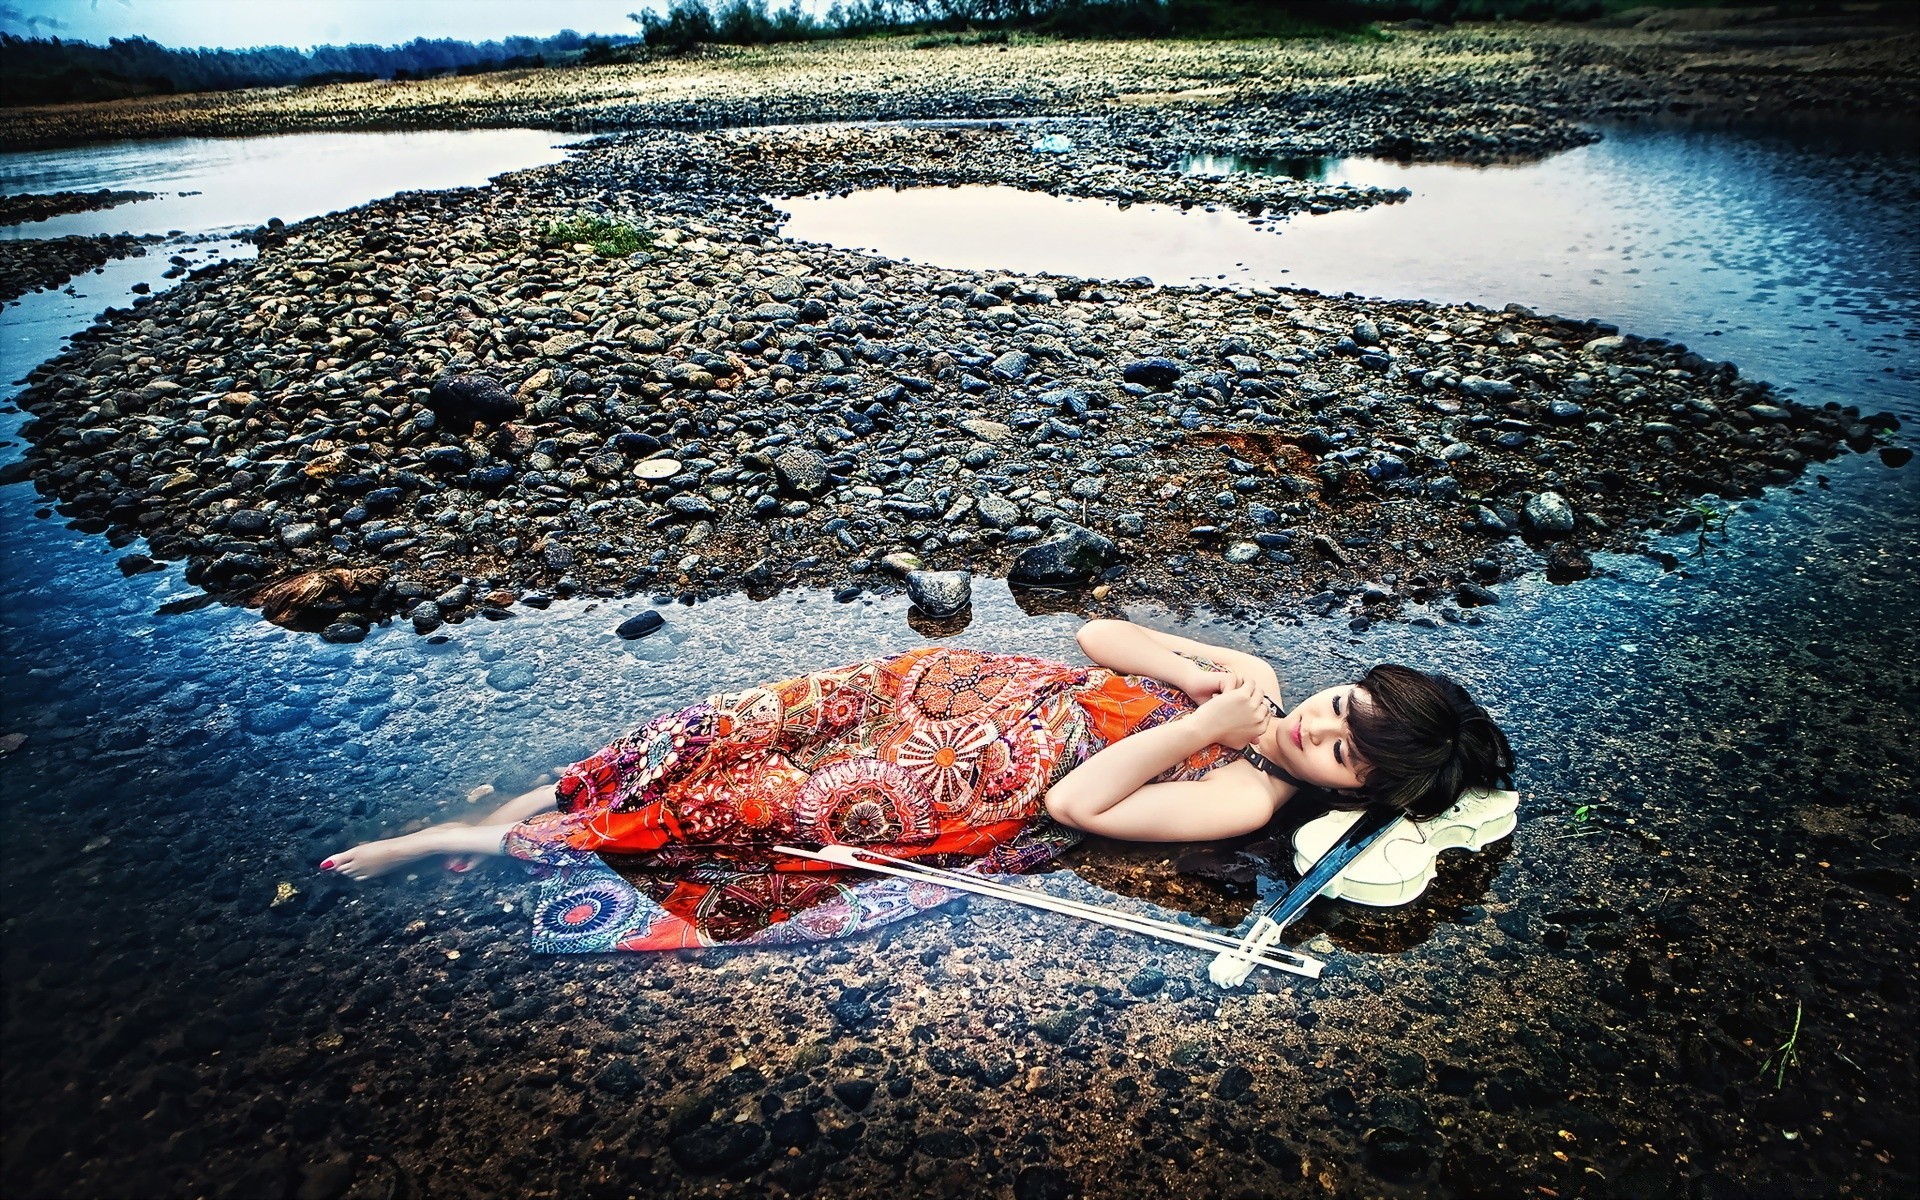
426, 617
1567, 562
640, 625
248, 522
940, 593
795, 1129
1605, 347
344, 632
1058, 1027
1012, 365
1550, 514
1156, 373
1488, 389
801, 470
997, 511
298, 534
687, 504
327, 1179
1242, 552
1146, 981
945, 1143
712, 1148
473, 398
1043, 1183
1234, 1083
987, 431
1071, 555
511, 677
856, 1094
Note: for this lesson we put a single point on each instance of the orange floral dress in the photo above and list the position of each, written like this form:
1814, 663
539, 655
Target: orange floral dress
663, 839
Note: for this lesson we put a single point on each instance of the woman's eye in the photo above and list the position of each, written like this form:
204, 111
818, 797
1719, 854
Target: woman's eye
1336, 706
1339, 755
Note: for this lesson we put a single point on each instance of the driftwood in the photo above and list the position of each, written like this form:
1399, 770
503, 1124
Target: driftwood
304, 598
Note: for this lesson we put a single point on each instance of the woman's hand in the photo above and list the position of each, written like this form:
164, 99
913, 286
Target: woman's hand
1205, 685
1237, 714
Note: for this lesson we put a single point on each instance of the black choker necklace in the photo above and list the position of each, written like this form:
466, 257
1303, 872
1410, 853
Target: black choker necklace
1262, 762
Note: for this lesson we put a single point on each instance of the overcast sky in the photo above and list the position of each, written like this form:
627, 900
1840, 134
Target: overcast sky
304, 23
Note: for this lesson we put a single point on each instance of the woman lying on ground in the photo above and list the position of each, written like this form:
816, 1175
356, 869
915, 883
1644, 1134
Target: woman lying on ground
663, 838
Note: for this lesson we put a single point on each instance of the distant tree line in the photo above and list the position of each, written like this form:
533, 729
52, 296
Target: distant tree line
51, 71
681, 25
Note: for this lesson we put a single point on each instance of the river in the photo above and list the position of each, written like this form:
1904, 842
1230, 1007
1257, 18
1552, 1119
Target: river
1717, 765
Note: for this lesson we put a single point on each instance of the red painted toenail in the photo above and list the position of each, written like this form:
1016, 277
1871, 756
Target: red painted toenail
327, 865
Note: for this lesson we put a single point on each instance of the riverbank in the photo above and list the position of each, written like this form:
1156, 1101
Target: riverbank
458, 409
1471, 91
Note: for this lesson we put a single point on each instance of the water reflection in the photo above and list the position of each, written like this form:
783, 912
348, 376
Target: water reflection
231, 183
1794, 262
1312, 168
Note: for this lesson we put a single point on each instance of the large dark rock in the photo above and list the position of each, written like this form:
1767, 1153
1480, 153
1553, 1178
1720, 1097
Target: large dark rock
940, 593
1071, 555
473, 398
1156, 373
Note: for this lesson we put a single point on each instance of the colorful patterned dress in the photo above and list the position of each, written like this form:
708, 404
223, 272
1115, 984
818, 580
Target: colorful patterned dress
663, 839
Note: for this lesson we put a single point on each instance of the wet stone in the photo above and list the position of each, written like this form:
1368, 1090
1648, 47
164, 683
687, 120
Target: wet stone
640, 625
940, 593
856, 1094
1550, 514
945, 1143
712, 1148
511, 677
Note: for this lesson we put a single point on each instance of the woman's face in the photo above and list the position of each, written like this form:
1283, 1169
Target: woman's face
1315, 744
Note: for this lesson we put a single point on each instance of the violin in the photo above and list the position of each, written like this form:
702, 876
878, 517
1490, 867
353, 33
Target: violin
1400, 862
1370, 857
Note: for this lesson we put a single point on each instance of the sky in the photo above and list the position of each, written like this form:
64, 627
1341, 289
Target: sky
234, 24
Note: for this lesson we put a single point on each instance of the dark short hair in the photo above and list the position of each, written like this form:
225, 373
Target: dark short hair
1423, 742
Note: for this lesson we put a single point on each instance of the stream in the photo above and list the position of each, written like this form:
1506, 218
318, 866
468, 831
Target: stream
1720, 753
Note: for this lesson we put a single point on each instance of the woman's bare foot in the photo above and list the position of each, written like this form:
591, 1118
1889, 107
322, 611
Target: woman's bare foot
514, 811
370, 859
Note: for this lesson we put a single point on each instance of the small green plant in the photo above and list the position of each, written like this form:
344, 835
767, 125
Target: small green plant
1786, 1054
1581, 814
609, 238
1713, 520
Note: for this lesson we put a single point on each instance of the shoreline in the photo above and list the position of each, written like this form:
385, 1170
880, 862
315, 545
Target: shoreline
452, 418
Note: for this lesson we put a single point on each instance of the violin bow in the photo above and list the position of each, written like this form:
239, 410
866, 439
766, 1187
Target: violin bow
1231, 967
1280, 959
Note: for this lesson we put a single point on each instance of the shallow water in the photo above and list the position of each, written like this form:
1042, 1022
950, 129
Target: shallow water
1740, 727
1794, 261
207, 184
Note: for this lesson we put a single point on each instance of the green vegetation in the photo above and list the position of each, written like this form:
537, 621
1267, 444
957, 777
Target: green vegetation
609, 238
1713, 519
1786, 1054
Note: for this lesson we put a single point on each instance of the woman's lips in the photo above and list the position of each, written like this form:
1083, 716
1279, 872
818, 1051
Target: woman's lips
1296, 734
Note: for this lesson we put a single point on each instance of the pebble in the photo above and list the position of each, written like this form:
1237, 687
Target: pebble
940, 593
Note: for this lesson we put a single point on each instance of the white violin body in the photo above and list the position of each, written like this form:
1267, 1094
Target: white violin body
1400, 864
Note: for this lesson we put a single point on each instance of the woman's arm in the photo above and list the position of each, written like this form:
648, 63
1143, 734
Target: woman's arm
1136, 650
1109, 793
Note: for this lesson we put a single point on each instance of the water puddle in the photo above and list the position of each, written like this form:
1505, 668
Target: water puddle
206, 184
1794, 262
